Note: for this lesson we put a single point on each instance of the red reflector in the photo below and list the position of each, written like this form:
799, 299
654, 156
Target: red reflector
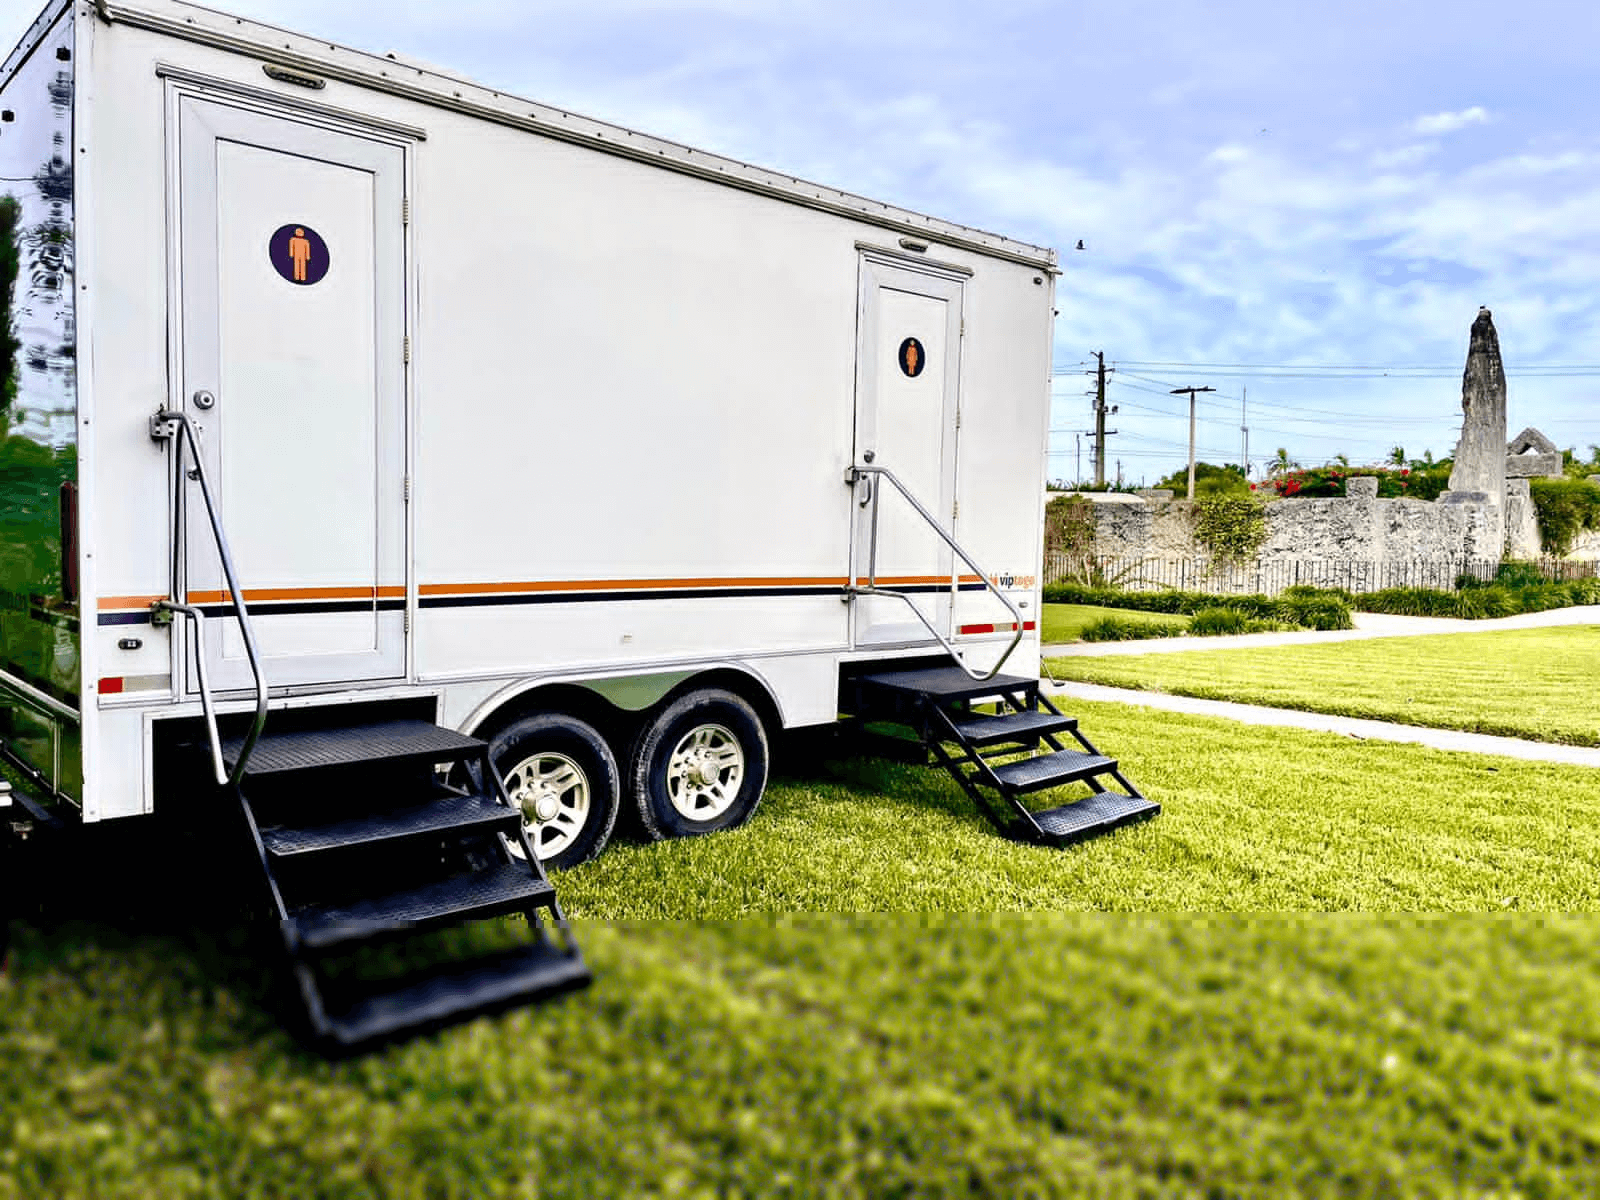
111, 687
1008, 627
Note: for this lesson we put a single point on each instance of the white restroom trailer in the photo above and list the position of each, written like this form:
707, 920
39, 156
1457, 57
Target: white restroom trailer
512, 420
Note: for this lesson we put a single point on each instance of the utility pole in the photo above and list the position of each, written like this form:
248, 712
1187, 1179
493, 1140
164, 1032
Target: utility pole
1077, 459
1100, 410
1191, 391
1244, 430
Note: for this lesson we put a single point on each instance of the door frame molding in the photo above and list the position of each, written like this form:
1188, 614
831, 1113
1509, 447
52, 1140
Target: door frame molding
179, 86
875, 267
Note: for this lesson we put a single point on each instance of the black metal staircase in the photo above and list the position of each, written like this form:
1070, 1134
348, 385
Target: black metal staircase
1000, 756
376, 835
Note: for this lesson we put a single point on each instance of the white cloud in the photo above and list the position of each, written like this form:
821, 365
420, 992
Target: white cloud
1450, 122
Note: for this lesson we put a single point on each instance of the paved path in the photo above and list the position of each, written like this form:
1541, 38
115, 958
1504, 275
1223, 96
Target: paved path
1368, 625
1254, 714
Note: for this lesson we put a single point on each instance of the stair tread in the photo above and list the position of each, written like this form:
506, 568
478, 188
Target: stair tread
984, 729
463, 991
448, 812
946, 683
1049, 770
349, 745
1093, 815
486, 893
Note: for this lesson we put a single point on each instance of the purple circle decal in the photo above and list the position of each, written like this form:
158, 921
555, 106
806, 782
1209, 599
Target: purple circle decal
299, 254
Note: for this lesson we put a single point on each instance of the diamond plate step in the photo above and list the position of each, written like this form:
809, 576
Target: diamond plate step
489, 893
1052, 770
1092, 816
464, 991
450, 813
990, 729
397, 742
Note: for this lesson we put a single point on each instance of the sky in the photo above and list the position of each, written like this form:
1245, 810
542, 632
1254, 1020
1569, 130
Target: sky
1302, 206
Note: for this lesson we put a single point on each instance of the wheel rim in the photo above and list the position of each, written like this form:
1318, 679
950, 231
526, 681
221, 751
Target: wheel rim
553, 794
704, 772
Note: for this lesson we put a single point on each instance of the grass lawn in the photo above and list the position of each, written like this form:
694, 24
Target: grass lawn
843, 1012
1531, 683
1064, 622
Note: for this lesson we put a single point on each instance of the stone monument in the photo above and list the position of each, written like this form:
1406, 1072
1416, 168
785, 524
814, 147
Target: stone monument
1479, 473
1531, 455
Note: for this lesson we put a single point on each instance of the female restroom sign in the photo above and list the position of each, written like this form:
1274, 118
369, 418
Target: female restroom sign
299, 254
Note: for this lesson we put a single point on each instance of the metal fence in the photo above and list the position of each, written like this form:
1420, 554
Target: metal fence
1271, 577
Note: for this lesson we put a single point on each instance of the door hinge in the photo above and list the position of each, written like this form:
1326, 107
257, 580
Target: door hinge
408, 350
405, 210
958, 418
408, 489
406, 622
955, 510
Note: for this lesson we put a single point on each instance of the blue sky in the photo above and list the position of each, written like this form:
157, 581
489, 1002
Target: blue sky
1286, 186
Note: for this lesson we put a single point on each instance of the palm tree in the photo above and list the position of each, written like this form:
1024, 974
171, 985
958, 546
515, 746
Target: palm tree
1282, 464
1397, 456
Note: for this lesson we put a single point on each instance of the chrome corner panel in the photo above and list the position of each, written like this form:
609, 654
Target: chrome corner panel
40, 629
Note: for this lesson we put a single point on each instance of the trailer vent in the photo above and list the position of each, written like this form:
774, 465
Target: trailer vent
284, 75
913, 244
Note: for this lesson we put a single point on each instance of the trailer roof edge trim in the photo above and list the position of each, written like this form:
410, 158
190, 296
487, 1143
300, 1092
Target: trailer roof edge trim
29, 42
363, 69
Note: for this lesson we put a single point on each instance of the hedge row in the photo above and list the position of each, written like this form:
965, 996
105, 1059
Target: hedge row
1302, 607
1481, 600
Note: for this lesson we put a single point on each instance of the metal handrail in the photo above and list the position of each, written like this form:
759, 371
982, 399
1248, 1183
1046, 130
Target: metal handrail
176, 426
856, 475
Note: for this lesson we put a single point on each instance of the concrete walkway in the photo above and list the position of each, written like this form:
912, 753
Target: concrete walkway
1356, 727
1368, 625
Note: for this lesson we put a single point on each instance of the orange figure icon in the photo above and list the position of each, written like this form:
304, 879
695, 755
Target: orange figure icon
300, 253
911, 358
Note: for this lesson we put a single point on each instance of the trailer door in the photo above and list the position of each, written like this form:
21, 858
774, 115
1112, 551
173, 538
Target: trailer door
292, 291
908, 375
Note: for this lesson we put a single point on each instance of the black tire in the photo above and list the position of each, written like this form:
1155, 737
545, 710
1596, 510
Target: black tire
516, 752
668, 797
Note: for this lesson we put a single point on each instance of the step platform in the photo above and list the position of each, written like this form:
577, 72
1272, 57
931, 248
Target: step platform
1026, 745
361, 840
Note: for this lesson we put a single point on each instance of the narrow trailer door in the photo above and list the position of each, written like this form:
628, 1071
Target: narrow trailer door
292, 290
908, 376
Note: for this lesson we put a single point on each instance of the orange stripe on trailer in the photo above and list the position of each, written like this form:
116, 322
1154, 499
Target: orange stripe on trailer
617, 585
271, 595
111, 603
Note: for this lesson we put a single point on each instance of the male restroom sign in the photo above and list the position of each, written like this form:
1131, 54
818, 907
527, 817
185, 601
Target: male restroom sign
299, 254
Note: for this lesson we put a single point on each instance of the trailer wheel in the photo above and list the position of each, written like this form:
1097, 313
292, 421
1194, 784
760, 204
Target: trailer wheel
700, 766
559, 771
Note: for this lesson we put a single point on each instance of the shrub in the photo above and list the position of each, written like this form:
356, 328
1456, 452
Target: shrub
1517, 575
1212, 622
1122, 629
1220, 622
1565, 508
1314, 611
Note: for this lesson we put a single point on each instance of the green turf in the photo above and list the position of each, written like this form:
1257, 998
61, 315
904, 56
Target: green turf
924, 1047
1065, 622
1531, 683
1051, 1055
